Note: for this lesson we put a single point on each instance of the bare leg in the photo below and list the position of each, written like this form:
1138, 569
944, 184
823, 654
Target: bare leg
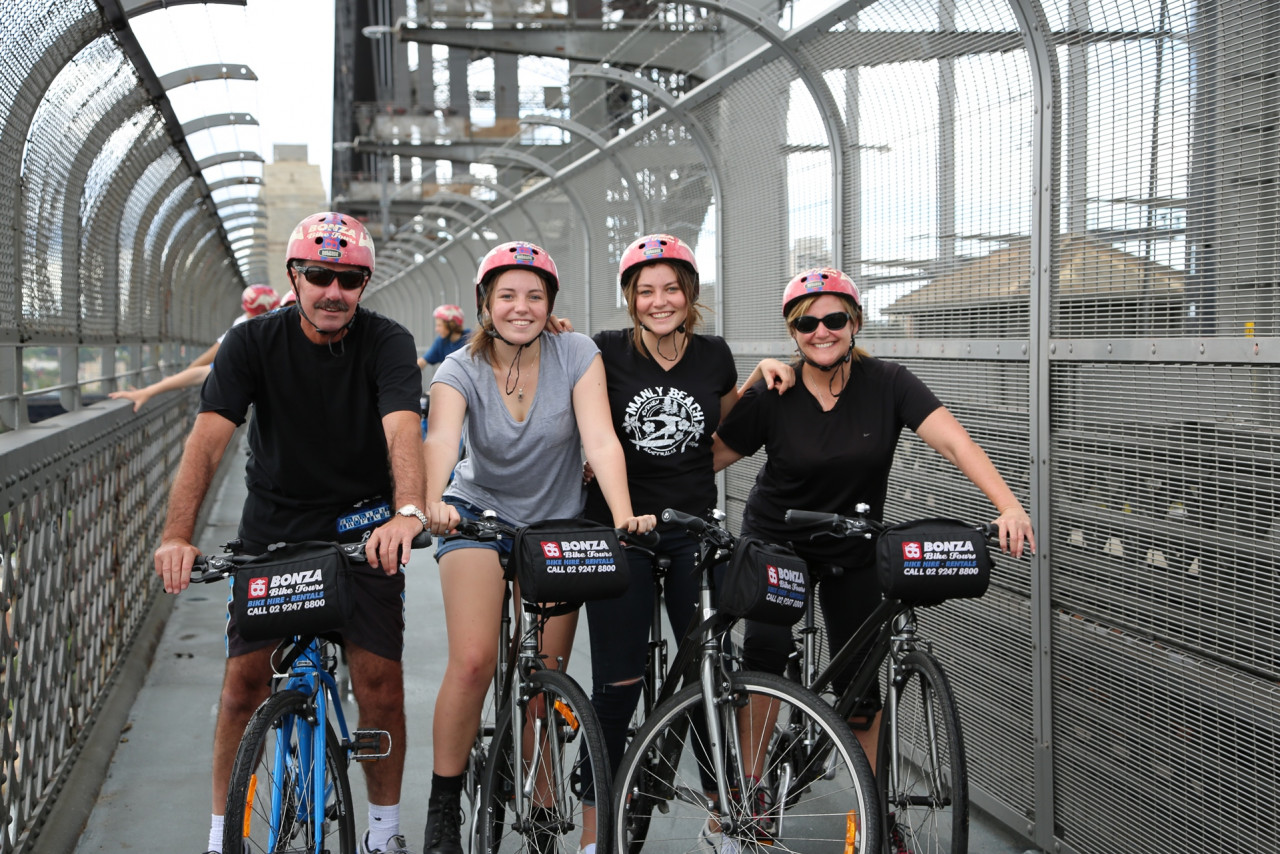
378, 684
246, 682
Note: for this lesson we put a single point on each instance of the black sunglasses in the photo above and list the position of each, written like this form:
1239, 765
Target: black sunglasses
321, 277
834, 321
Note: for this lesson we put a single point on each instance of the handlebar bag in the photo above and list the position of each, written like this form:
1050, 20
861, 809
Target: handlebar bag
569, 560
931, 560
295, 589
765, 582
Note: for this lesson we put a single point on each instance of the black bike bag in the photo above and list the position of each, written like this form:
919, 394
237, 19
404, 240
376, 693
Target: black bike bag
931, 560
297, 589
569, 560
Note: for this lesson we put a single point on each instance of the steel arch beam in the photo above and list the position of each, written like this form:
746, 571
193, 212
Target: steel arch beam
628, 174
229, 157
202, 73
133, 8
217, 121
700, 140
508, 195
223, 183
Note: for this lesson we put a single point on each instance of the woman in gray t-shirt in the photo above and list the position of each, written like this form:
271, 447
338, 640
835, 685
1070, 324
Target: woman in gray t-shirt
531, 403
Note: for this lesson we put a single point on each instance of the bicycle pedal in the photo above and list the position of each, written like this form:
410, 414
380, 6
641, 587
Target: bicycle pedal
366, 744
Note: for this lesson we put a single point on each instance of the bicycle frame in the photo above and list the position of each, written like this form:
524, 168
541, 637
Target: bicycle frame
309, 675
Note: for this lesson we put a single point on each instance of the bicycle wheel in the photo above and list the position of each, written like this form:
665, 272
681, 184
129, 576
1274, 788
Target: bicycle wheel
561, 736
269, 802
923, 784
814, 792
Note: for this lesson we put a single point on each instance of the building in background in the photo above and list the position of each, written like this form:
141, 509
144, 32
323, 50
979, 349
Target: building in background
291, 189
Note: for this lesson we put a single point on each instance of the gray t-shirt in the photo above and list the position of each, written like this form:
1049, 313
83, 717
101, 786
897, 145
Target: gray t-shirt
524, 471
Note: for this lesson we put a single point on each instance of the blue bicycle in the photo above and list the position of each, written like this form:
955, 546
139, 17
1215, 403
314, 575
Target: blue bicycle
289, 792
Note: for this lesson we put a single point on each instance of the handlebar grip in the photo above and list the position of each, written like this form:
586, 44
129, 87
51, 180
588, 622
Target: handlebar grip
422, 540
812, 519
692, 524
647, 540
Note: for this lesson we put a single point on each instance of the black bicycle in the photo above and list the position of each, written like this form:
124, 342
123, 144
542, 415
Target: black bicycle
922, 776
542, 716
737, 758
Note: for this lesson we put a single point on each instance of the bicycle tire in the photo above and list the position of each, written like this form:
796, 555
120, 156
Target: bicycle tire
255, 773
554, 824
928, 809
831, 794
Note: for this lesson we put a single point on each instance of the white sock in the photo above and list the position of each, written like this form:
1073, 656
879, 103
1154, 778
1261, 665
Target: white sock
216, 826
384, 823
589, 848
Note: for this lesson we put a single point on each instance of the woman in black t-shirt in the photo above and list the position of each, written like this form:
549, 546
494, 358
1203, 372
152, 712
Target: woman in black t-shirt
668, 389
830, 444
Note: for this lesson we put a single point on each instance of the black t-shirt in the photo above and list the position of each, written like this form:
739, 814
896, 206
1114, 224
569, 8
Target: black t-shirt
664, 420
316, 441
826, 461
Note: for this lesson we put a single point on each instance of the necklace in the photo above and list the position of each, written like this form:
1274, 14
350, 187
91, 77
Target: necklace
520, 394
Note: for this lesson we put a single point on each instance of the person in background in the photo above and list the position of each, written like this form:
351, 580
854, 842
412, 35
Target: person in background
256, 300
450, 335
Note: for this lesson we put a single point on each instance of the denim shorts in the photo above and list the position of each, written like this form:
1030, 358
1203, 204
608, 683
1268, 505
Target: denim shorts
452, 542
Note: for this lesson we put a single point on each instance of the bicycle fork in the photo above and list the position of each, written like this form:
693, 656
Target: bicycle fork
902, 642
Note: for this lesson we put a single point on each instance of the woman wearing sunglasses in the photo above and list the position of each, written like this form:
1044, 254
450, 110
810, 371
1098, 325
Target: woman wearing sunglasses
830, 443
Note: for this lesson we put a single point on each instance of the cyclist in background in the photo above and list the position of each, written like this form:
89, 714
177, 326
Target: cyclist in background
669, 386
255, 300
450, 335
531, 404
334, 394
830, 445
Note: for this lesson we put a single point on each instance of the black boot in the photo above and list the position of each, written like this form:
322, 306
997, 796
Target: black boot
444, 824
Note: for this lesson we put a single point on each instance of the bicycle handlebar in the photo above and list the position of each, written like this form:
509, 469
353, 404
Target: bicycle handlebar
210, 568
698, 527
489, 528
859, 525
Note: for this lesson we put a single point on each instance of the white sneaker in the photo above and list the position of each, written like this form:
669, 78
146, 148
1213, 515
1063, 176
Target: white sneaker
717, 843
395, 845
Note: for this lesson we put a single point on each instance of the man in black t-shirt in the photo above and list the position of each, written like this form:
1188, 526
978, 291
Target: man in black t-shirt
334, 390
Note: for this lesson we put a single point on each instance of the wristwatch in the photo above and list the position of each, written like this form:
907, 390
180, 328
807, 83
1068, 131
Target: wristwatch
412, 510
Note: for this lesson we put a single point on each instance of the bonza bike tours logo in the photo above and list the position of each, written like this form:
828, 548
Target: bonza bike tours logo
912, 551
550, 549
257, 587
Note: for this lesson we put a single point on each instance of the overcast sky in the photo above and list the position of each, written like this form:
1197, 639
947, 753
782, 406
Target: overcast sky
287, 44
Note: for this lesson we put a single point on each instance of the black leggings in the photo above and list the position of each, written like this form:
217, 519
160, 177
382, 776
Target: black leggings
620, 634
846, 599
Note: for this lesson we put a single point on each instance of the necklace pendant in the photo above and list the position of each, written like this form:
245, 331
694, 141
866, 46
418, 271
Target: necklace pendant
520, 395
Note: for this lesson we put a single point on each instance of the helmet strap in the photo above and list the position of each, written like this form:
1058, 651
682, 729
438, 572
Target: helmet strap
675, 345
828, 369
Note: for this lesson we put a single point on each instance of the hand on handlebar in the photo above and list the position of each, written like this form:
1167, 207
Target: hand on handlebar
1015, 526
390, 544
444, 518
638, 524
173, 561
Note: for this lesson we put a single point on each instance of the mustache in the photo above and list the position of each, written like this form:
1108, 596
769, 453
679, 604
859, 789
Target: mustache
330, 305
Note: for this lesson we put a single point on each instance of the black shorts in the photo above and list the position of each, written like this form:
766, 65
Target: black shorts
377, 621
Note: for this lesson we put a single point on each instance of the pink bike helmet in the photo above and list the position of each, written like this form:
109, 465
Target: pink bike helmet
449, 314
658, 247
823, 281
288, 299
510, 256
334, 237
258, 299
